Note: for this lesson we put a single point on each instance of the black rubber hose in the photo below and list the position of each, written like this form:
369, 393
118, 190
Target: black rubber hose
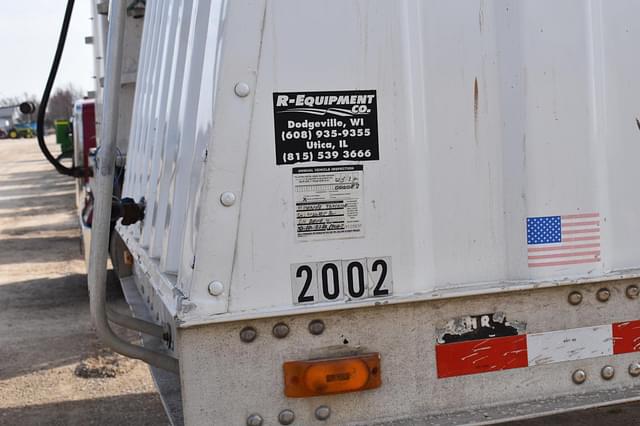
62, 169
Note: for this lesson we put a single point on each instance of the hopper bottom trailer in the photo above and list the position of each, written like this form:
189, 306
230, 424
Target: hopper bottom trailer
371, 211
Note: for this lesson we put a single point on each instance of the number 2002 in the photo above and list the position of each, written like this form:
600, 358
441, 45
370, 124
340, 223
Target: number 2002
336, 280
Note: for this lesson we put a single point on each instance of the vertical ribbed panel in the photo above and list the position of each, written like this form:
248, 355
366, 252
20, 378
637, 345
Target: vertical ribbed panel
156, 123
192, 167
184, 129
143, 90
163, 162
133, 172
168, 131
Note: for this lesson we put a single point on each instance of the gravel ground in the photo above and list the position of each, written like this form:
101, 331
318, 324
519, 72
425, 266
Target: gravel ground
53, 369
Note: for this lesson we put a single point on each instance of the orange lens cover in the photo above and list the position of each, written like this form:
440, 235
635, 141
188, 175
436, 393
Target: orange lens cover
331, 376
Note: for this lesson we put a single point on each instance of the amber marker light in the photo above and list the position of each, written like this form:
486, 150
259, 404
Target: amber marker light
331, 375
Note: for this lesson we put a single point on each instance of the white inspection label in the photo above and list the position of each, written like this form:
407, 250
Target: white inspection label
328, 202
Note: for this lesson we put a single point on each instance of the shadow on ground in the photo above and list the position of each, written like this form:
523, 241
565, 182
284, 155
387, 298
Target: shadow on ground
40, 249
104, 411
35, 211
24, 230
29, 319
53, 368
22, 190
619, 415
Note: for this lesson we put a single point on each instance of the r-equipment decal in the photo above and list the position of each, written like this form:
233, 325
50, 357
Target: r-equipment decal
326, 126
328, 202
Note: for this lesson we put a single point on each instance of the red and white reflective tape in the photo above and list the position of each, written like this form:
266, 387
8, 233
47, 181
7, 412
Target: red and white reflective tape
528, 350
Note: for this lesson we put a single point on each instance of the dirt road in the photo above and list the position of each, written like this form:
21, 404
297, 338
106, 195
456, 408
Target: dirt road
53, 370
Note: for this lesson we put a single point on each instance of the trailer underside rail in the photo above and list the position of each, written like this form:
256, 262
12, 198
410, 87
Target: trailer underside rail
543, 411
167, 383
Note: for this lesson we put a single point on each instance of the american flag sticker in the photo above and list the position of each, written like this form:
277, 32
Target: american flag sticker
563, 240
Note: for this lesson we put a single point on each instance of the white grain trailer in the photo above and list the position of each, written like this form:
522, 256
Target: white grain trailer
376, 211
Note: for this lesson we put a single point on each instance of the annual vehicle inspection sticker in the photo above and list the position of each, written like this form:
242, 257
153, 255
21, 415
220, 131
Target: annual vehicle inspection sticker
325, 126
328, 202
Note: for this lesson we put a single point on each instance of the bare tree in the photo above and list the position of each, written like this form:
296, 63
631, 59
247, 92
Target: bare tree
60, 105
13, 100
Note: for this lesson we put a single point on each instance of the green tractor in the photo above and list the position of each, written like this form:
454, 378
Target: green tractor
9, 129
25, 130
17, 131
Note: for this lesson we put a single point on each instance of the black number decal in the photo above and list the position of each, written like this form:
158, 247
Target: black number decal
303, 297
350, 280
378, 290
330, 295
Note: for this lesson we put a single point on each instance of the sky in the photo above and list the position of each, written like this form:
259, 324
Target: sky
29, 31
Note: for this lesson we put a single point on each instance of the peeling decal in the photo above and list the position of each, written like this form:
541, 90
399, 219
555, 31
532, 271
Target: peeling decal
537, 349
472, 327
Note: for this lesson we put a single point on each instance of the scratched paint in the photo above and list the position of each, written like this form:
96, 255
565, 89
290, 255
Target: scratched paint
503, 353
481, 356
626, 337
569, 345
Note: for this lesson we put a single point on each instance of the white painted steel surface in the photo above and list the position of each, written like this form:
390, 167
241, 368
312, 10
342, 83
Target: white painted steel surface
78, 136
488, 112
99, 26
131, 50
569, 345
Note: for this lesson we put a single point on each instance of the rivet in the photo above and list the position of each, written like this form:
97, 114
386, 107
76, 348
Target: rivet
607, 372
286, 417
248, 334
603, 294
323, 412
280, 330
227, 199
316, 327
579, 377
242, 89
254, 420
575, 297
634, 369
216, 288
632, 291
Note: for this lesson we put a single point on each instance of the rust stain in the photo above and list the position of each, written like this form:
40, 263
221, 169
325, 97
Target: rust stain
475, 109
475, 98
